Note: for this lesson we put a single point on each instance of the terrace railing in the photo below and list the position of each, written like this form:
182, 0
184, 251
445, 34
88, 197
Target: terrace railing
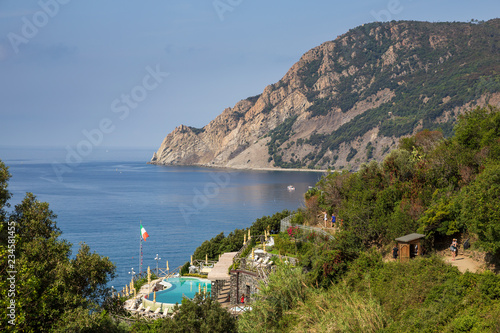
169, 273
286, 223
162, 273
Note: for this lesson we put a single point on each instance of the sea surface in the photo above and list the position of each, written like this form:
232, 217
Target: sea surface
102, 199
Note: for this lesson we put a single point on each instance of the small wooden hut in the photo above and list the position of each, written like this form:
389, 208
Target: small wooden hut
409, 246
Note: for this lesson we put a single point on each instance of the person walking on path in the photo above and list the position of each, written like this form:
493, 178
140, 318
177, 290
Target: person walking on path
454, 249
325, 218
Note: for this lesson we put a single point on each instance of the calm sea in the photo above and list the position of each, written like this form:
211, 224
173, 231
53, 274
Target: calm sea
102, 201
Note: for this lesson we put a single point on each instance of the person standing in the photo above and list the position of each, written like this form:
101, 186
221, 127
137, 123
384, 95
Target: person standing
395, 251
333, 221
454, 249
325, 217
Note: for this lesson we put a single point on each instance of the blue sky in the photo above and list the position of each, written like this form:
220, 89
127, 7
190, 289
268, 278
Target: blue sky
67, 66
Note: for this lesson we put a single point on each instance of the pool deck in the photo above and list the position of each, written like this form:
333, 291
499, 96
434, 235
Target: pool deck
145, 290
220, 269
218, 272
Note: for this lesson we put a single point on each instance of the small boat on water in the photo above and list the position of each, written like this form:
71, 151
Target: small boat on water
290, 188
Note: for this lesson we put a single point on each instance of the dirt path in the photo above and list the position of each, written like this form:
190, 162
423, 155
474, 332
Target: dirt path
464, 263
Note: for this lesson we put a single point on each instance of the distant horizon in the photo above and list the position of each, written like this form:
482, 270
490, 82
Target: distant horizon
4, 146
59, 156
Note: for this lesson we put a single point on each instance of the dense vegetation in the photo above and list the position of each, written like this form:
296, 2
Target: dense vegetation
442, 66
435, 185
423, 295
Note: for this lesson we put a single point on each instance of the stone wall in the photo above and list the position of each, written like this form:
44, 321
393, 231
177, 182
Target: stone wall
243, 282
217, 286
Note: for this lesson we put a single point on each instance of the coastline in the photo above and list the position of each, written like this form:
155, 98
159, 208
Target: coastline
243, 167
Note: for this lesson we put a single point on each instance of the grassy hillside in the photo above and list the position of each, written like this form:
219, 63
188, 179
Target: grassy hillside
423, 295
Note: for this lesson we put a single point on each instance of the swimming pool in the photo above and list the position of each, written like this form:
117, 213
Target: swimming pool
180, 287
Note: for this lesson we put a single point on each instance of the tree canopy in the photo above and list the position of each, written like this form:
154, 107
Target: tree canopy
48, 289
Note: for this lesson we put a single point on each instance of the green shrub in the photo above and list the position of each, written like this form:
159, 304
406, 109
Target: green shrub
351, 154
285, 289
464, 323
251, 244
284, 244
185, 268
298, 217
201, 276
489, 285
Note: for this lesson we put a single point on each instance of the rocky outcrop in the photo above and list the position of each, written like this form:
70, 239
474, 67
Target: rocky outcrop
350, 100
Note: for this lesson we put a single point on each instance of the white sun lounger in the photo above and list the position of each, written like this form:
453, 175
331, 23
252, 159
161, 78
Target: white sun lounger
131, 307
154, 314
139, 309
146, 311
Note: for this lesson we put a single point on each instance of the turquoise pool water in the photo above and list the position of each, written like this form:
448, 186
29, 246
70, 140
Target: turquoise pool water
180, 287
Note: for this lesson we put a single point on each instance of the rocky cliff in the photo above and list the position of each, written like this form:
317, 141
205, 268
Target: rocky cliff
349, 100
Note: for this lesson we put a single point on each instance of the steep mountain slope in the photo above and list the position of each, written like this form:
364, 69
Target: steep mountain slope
350, 100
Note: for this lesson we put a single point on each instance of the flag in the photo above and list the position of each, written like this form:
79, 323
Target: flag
144, 233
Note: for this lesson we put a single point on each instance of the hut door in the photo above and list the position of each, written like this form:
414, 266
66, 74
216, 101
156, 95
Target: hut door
405, 252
